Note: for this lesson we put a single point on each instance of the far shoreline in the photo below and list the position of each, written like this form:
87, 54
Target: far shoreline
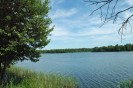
110, 48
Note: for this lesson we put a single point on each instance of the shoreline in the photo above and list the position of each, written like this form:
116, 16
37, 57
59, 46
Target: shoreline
23, 78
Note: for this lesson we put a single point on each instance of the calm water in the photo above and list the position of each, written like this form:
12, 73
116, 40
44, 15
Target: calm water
92, 70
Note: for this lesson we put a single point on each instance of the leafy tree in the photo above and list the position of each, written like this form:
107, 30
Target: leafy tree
24, 28
109, 11
117, 48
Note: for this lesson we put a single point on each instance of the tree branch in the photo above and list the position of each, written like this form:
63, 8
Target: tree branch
110, 6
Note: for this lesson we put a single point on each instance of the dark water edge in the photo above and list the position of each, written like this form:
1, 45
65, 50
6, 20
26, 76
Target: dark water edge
91, 69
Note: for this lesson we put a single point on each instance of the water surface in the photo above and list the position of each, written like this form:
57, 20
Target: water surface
92, 70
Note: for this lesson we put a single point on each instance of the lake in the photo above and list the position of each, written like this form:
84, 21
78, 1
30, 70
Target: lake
91, 69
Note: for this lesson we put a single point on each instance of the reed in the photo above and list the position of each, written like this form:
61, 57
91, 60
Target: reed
23, 78
125, 84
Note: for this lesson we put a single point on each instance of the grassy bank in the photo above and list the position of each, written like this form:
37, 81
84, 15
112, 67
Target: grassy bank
21, 78
126, 84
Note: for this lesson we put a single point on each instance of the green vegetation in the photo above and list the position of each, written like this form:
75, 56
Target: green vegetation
24, 28
21, 78
116, 48
126, 84
67, 50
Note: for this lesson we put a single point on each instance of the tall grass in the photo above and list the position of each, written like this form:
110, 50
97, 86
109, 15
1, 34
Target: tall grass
21, 78
126, 84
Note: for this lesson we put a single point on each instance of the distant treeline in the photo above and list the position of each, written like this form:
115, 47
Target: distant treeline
116, 48
110, 48
67, 50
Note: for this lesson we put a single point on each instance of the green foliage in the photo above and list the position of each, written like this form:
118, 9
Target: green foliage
21, 78
110, 48
67, 50
126, 84
24, 27
116, 48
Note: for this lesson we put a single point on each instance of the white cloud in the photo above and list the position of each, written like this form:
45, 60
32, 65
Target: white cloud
127, 14
56, 2
61, 13
129, 2
83, 26
60, 32
98, 31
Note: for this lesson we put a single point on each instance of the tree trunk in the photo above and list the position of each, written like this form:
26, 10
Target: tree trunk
2, 72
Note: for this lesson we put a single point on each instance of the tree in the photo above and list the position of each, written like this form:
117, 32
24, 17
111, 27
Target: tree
112, 13
24, 28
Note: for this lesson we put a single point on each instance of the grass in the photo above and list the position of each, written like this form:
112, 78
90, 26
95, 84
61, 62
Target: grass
126, 84
22, 78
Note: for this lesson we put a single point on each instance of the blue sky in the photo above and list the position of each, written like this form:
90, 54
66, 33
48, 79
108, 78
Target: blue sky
74, 28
